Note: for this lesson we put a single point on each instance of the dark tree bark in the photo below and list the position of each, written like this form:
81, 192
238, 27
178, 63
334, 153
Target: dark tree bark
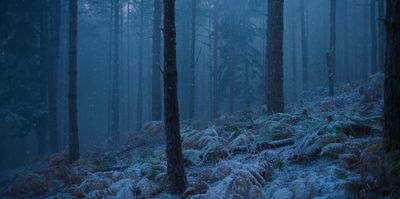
176, 171
115, 78
374, 44
274, 90
294, 59
346, 41
73, 112
139, 105
331, 54
128, 30
55, 18
215, 101
156, 78
304, 47
192, 77
381, 34
391, 126
44, 42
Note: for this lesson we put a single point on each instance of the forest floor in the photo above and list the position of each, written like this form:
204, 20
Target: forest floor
321, 148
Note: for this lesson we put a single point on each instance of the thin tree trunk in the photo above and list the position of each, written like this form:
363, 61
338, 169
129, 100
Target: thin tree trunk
115, 80
274, 89
382, 34
294, 62
391, 126
53, 77
44, 42
73, 112
304, 47
192, 91
156, 79
346, 41
128, 29
374, 44
139, 105
215, 100
331, 54
176, 171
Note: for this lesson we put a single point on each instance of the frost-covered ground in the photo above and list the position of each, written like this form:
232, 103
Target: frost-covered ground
322, 148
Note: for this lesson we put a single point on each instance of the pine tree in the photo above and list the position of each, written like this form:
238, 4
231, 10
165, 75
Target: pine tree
156, 79
391, 126
73, 112
274, 90
176, 171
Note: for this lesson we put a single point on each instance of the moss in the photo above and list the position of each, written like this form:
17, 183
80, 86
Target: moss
354, 186
100, 164
278, 163
341, 174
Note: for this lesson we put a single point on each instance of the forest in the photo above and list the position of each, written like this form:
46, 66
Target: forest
199, 99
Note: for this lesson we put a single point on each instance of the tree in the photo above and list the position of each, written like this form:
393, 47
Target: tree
115, 77
175, 170
381, 33
55, 18
73, 112
374, 44
215, 101
304, 44
331, 54
139, 105
391, 126
192, 77
44, 40
156, 79
274, 75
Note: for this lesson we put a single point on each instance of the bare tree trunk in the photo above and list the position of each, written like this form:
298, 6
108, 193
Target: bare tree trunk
381, 34
73, 112
176, 171
128, 30
274, 90
44, 64
331, 54
232, 84
53, 77
304, 45
294, 59
215, 101
156, 79
391, 126
374, 44
346, 41
192, 76
139, 105
115, 80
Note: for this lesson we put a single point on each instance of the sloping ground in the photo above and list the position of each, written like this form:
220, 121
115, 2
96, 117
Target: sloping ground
322, 148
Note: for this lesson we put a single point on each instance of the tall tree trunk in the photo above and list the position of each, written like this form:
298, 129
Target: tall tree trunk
364, 48
192, 91
73, 112
382, 34
139, 105
156, 79
294, 59
346, 41
331, 54
215, 101
374, 45
115, 80
128, 29
274, 90
44, 42
53, 77
176, 171
391, 126
232, 84
304, 43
